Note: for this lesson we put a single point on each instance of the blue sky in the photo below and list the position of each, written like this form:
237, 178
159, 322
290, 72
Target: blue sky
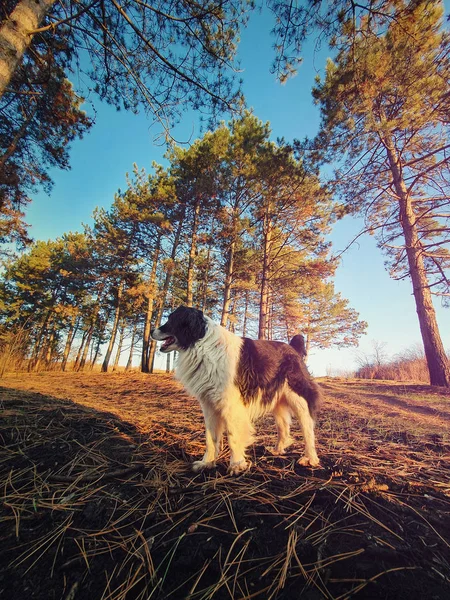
117, 140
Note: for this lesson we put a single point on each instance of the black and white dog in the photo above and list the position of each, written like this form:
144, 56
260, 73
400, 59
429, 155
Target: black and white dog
236, 380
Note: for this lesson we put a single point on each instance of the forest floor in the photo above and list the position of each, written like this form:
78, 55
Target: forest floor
98, 502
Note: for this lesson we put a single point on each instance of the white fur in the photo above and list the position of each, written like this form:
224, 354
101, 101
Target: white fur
207, 370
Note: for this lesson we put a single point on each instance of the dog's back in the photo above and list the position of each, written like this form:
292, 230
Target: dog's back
265, 366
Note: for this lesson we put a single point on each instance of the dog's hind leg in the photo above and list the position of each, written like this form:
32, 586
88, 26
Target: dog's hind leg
299, 407
215, 426
282, 415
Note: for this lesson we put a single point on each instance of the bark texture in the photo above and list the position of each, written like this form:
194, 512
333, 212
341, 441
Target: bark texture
16, 34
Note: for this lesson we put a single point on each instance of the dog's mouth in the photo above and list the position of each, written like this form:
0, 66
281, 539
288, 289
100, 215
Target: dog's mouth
167, 342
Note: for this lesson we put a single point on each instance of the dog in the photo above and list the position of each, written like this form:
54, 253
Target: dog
236, 380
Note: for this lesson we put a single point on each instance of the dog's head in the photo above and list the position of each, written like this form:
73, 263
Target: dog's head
184, 327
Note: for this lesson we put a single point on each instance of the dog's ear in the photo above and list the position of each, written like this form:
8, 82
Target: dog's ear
191, 328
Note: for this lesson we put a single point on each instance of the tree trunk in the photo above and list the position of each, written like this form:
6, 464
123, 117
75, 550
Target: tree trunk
70, 337
192, 253
96, 353
37, 352
163, 293
80, 350
203, 300
90, 333
50, 347
145, 367
119, 346
16, 33
437, 362
228, 283
244, 326
114, 329
130, 356
264, 294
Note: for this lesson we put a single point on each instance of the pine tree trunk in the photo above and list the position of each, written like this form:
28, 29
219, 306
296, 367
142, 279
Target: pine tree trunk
264, 294
145, 367
114, 329
16, 35
437, 361
203, 301
87, 345
49, 347
80, 350
130, 356
38, 347
70, 337
90, 334
229, 274
192, 253
244, 326
119, 347
228, 284
97, 352
270, 328
163, 293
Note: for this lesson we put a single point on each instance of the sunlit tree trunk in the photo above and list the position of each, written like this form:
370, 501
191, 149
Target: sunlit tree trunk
80, 350
37, 352
192, 253
203, 298
163, 292
434, 350
49, 347
229, 273
246, 303
90, 332
145, 367
264, 294
114, 328
130, 356
69, 341
119, 346
97, 352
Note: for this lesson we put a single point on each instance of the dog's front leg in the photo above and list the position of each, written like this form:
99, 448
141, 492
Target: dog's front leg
240, 435
214, 430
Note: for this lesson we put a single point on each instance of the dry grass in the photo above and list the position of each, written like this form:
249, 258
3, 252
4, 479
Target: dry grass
98, 503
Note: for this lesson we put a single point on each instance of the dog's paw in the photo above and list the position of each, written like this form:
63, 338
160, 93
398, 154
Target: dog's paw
276, 451
201, 465
239, 467
306, 461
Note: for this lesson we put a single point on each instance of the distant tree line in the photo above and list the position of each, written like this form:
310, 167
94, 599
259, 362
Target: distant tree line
235, 226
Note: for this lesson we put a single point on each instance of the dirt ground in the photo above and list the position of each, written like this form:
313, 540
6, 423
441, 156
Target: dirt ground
98, 502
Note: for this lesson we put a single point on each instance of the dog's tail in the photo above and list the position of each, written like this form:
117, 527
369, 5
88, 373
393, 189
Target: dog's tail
313, 395
302, 382
298, 343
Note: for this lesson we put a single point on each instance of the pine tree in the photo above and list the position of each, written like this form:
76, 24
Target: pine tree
385, 116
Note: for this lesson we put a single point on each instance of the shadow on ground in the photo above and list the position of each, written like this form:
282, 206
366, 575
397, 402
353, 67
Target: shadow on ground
93, 508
